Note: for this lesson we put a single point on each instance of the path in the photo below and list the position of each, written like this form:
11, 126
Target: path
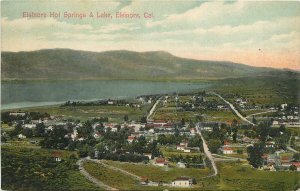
208, 153
291, 149
289, 146
222, 157
153, 108
270, 111
116, 169
91, 178
233, 109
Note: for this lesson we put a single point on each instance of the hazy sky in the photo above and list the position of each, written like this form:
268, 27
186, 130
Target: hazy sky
254, 33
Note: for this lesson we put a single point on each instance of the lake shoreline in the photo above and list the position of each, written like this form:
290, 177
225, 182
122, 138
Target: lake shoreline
34, 94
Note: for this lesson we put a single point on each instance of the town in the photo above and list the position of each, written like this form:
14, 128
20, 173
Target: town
185, 137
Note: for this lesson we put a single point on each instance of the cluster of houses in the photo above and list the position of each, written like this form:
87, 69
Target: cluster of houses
229, 149
288, 116
275, 162
183, 146
241, 102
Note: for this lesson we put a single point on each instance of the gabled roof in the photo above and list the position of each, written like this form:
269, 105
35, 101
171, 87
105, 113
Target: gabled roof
56, 154
160, 160
182, 178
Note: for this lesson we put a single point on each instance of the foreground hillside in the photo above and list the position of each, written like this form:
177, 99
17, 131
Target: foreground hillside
72, 64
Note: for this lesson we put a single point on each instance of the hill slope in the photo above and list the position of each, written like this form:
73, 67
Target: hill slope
73, 64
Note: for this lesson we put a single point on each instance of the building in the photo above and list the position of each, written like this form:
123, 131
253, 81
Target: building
161, 162
182, 182
187, 150
130, 139
56, 155
270, 144
227, 150
21, 136
181, 165
149, 155
30, 126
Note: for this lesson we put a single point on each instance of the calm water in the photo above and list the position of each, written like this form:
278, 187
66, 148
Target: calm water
27, 94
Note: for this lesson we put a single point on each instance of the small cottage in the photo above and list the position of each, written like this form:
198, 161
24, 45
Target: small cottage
182, 182
56, 155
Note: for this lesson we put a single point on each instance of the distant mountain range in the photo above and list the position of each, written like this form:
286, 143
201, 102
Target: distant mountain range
66, 64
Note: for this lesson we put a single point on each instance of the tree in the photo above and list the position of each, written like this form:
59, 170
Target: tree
234, 136
255, 155
292, 168
296, 156
144, 119
27, 132
195, 141
214, 145
126, 118
39, 130
55, 139
84, 151
234, 123
182, 121
86, 129
18, 129
282, 128
254, 120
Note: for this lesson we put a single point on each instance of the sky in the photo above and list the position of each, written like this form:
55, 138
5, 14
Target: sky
261, 33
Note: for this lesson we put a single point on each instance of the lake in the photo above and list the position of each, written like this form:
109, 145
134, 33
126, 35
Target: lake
33, 93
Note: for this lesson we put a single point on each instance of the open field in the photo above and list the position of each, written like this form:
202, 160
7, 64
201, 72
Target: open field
35, 169
110, 177
236, 176
114, 113
156, 173
262, 90
167, 152
209, 115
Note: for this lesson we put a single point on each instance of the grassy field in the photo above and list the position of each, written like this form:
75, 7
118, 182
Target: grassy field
233, 176
114, 113
24, 158
164, 174
78, 182
167, 152
251, 112
262, 90
236, 176
110, 177
210, 115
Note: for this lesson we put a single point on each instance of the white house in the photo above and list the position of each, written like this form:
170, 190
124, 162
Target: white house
56, 155
149, 155
180, 165
21, 136
187, 150
30, 126
283, 106
180, 148
182, 182
74, 135
227, 150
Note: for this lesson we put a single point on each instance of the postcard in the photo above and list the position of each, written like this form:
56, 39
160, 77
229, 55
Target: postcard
150, 95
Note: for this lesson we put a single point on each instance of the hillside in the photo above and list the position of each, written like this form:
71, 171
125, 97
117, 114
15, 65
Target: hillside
61, 64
